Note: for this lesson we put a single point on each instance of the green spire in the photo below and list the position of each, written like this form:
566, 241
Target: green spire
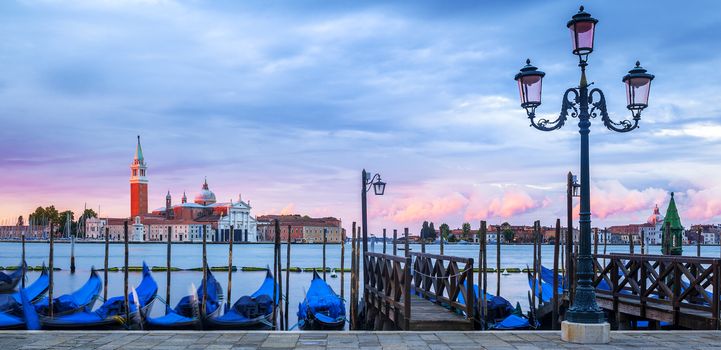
671, 241
139, 151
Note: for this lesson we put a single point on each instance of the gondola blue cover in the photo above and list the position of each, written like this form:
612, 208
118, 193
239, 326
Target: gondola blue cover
12, 304
183, 314
512, 322
8, 282
84, 297
323, 304
233, 318
112, 311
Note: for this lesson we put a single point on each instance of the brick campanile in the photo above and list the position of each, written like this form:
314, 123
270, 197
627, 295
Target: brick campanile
138, 184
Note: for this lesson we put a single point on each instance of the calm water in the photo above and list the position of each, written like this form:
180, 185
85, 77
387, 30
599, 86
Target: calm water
514, 287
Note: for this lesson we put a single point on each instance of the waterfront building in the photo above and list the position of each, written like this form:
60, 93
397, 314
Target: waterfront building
303, 229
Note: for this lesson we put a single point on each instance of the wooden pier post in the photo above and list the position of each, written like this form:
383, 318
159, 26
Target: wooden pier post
535, 266
352, 278
595, 242
231, 238
643, 241
205, 271
72, 252
342, 264
440, 233
51, 280
105, 264
125, 274
287, 281
279, 264
554, 316
630, 243
698, 242
498, 260
423, 244
540, 259
276, 239
325, 240
405, 234
384, 241
23, 256
168, 257
395, 242
482, 287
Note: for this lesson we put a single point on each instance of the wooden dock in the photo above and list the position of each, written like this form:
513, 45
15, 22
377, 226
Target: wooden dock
418, 292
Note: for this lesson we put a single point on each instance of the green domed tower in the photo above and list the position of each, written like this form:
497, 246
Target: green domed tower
672, 238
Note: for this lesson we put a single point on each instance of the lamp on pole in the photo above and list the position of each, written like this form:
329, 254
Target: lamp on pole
379, 187
584, 105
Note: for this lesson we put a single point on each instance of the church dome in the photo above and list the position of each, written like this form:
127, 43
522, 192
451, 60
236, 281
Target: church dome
206, 196
655, 218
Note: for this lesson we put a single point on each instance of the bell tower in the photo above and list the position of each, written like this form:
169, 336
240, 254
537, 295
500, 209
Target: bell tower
138, 184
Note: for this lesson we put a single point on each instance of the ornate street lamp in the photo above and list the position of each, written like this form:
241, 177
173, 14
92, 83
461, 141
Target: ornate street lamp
578, 100
379, 187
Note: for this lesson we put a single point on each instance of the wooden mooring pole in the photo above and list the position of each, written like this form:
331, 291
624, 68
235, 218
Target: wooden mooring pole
125, 274
105, 264
342, 264
72, 252
276, 239
168, 258
540, 259
325, 241
498, 260
698, 242
395, 242
384, 241
279, 264
630, 243
482, 282
353, 277
287, 281
205, 271
51, 280
535, 266
440, 233
358, 291
555, 276
643, 242
423, 243
405, 234
23, 263
231, 238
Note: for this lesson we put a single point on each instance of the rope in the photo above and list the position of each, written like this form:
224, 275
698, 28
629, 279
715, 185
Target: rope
443, 277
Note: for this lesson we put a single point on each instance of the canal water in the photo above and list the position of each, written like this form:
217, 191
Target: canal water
514, 286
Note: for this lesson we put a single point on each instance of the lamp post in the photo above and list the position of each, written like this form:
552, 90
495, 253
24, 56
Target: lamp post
379, 187
584, 105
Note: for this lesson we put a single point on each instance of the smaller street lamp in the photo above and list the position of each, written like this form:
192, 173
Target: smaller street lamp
638, 85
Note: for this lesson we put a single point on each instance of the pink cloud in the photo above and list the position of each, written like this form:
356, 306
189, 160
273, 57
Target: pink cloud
413, 209
512, 201
700, 205
610, 198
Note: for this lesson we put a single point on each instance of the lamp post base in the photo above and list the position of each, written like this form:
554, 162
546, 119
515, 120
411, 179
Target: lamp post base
586, 333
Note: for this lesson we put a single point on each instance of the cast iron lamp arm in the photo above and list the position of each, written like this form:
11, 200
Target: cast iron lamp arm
566, 105
622, 126
370, 182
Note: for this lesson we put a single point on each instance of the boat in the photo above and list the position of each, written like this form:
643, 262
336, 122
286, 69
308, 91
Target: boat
187, 313
501, 314
253, 311
11, 303
322, 308
28, 319
8, 282
333, 274
111, 315
82, 299
505, 272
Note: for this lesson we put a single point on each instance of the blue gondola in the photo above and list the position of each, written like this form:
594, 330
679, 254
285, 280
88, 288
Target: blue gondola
112, 313
322, 308
11, 303
249, 312
8, 282
501, 314
79, 300
186, 313
28, 318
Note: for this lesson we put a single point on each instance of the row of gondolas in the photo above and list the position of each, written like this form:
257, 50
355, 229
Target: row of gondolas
29, 308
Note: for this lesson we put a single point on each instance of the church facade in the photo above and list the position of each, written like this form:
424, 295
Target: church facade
183, 222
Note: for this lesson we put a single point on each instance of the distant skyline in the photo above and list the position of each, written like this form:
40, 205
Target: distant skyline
286, 102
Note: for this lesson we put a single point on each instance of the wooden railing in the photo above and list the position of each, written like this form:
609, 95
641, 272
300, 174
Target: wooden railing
439, 279
388, 288
660, 283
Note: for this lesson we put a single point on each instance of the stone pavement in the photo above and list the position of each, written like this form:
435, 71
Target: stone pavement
349, 340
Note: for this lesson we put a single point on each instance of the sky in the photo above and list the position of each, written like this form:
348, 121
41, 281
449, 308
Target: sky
285, 102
